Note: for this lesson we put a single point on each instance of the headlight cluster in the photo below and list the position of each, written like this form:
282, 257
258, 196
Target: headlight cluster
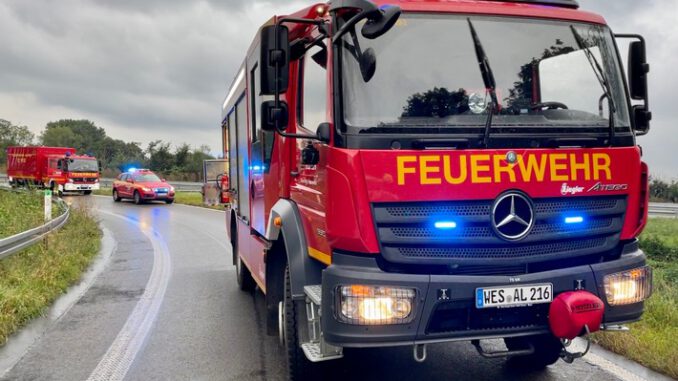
375, 305
628, 287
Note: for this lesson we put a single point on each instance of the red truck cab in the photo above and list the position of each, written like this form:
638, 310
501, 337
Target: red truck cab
414, 172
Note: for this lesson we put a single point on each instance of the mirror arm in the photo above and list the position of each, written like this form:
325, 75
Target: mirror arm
301, 136
348, 26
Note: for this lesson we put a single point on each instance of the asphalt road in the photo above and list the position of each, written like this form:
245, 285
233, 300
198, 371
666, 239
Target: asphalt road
166, 307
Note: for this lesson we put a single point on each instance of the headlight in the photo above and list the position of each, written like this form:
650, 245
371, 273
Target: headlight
628, 287
171, 188
146, 189
70, 180
375, 305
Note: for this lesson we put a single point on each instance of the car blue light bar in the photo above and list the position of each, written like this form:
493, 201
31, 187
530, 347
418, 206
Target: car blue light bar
445, 224
574, 220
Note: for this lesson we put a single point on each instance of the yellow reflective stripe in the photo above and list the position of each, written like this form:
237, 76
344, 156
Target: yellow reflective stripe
319, 255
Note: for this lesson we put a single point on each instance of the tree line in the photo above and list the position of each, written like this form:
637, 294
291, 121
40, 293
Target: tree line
182, 162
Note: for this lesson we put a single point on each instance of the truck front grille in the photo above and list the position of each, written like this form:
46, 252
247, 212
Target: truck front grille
407, 234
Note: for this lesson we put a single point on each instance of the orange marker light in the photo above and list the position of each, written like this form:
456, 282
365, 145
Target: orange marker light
277, 221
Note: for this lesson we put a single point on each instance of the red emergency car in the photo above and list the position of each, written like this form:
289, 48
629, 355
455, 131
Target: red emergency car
142, 185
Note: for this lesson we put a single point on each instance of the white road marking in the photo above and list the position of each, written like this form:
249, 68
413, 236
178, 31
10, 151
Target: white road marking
122, 352
611, 367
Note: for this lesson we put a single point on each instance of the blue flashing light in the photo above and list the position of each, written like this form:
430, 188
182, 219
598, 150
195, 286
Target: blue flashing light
132, 170
445, 225
256, 168
574, 220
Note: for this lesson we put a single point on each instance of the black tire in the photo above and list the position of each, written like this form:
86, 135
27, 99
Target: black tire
116, 196
547, 350
137, 198
170, 201
87, 192
242, 273
294, 319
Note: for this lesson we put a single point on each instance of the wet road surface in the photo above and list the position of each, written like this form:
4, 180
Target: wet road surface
166, 307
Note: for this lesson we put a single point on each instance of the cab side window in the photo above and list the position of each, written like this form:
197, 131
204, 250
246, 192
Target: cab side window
313, 97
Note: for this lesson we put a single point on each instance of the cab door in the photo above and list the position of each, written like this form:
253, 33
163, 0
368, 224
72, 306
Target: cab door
309, 186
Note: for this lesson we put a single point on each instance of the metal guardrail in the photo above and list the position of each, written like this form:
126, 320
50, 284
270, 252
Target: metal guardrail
17, 242
659, 209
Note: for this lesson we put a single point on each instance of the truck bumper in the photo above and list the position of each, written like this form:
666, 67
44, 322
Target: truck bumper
452, 315
80, 187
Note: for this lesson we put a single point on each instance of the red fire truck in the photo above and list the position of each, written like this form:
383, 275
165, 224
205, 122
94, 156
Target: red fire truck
416, 172
56, 168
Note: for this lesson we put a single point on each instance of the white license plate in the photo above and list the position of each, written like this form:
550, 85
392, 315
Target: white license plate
513, 296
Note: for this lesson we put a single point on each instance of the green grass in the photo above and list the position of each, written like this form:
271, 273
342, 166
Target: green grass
653, 341
33, 278
20, 211
186, 198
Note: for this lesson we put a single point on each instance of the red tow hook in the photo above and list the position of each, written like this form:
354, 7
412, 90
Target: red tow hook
572, 314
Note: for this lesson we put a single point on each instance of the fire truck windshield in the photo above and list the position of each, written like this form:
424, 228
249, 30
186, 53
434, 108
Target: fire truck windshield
83, 165
427, 78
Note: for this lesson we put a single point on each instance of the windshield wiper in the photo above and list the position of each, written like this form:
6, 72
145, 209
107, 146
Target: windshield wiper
488, 80
600, 75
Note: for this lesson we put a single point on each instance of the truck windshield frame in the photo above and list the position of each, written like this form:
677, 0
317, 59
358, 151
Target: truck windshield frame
83, 165
427, 85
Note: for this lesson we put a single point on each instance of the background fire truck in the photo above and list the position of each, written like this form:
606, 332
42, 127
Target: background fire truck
438, 171
56, 168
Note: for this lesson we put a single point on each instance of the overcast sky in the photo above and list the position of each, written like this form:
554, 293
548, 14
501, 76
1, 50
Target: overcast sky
159, 69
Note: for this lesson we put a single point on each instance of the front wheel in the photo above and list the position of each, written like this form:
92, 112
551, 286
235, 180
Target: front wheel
294, 321
170, 201
116, 196
137, 198
87, 192
547, 349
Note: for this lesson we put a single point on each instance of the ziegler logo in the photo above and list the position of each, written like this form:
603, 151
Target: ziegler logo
565, 189
600, 187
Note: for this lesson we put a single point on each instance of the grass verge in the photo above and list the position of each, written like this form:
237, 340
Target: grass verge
20, 211
186, 198
33, 278
653, 340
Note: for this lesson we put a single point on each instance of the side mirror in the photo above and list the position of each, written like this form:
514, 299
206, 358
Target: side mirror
642, 118
637, 78
272, 116
368, 64
324, 132
275, 59
163, 180
131, 181
380, 22
638, 69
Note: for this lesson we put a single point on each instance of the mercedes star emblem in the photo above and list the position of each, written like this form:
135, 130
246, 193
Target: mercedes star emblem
512, 216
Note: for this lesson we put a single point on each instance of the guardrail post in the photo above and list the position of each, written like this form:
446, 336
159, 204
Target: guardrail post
48, 212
